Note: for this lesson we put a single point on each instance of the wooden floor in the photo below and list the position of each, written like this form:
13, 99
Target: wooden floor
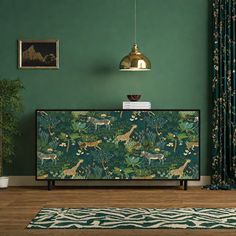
18, 206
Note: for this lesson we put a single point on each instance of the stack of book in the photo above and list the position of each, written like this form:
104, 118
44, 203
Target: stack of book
136, 105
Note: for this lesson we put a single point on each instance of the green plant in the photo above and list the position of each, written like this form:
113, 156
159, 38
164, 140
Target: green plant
10, 108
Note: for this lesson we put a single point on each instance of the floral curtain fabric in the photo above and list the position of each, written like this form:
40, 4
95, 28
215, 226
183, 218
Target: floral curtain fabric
224, 94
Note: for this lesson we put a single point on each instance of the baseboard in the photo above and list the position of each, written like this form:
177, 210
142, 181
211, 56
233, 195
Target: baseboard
30, 181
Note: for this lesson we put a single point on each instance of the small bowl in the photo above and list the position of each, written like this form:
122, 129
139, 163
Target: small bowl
133, 98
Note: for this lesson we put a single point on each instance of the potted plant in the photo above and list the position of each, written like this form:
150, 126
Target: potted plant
10, 108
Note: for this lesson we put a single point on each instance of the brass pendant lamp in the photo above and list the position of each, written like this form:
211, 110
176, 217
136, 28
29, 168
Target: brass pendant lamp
135, 60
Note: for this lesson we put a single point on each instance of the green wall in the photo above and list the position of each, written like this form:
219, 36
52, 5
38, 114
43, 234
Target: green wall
94, 35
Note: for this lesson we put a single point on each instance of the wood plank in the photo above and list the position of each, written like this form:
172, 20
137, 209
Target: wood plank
18, 205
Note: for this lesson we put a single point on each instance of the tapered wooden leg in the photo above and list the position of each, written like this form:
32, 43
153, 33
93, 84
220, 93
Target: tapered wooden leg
53, 183
185, 184
49, 185
181, 182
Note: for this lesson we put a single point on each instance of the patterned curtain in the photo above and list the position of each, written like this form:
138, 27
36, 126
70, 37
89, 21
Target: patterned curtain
224, 95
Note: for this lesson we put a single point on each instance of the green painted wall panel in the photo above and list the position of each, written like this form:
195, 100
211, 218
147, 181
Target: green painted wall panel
94, 35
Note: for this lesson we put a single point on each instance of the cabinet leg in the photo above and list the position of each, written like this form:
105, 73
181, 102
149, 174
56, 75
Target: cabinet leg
181, 182
49, 185
185, 184
53, 183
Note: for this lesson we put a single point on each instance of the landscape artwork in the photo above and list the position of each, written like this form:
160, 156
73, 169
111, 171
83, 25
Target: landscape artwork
38, 54
117, 144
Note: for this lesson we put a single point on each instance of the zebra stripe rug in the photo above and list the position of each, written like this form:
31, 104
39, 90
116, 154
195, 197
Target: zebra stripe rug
134, 218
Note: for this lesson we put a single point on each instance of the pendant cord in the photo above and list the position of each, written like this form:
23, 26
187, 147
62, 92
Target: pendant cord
135, 21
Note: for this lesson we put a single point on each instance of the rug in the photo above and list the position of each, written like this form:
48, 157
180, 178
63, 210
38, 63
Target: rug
134, 218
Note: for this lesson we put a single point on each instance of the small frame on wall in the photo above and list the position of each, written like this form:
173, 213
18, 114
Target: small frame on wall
42, 54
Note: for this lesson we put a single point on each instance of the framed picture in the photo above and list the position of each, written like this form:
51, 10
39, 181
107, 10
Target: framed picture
38, 54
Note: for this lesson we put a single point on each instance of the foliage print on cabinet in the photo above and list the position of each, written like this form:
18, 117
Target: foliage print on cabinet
117, 144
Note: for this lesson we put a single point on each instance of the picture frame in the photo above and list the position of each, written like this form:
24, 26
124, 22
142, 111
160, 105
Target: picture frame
38, 54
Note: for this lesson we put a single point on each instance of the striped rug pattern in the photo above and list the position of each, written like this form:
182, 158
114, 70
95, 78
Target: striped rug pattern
134, 218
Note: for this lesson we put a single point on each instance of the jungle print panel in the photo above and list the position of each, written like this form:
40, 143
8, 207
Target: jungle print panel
122, 144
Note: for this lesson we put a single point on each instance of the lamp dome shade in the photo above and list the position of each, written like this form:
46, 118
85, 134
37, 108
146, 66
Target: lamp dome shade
135, 61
